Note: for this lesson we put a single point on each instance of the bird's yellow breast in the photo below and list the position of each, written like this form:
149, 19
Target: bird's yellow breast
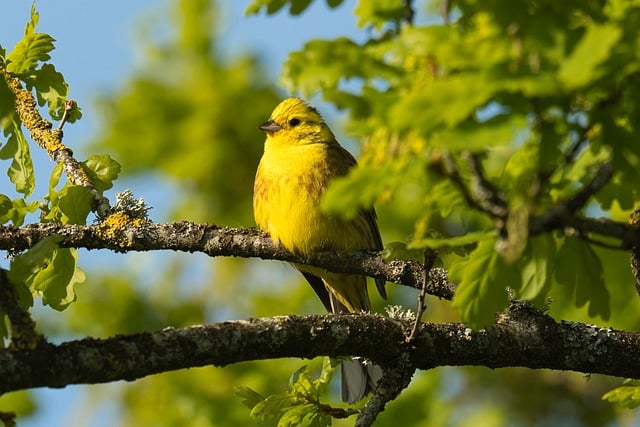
287, 192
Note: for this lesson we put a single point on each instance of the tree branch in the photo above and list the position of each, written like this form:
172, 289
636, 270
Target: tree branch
221, 241
23, 328
522, 337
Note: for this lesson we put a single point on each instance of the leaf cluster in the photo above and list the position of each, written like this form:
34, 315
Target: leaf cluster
299, 406
45, 271
484, 123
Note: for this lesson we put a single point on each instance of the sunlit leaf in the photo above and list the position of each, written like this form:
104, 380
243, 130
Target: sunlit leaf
379, 12
482, 281
537, 267
102, 170
20, 172
75, 204
249, 397
578, 267
31, 50
58, 280
581, 67
627, 396
51, 89
15, 210
26, 266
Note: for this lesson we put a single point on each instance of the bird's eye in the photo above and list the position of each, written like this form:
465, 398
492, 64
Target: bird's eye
294, 122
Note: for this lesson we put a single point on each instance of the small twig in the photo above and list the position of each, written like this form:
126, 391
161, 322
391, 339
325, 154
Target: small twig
68, 106
482, 196
453, 173
602, 176
336, 412
562, 213
598, 242
445, 8
409, 12
484, 191
429, 260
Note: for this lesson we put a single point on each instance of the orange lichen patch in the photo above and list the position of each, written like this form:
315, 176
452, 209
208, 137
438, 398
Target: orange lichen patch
120, 228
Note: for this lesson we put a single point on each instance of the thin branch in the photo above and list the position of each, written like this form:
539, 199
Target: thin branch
602, 176
522, 337
482, 196
484, 191
409, 11
429, 260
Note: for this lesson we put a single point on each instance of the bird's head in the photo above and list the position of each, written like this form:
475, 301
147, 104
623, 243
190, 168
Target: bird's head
294, 121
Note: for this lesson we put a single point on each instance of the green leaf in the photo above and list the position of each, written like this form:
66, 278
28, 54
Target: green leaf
329, 366
323, 64
102, 171
15, 210
500, 130
334, 3
7, 99
537, 267
28, 52
299, 6
446, 103
296, 7
26, 266
30, 28
579, 267
379, 12
627, 396
249, 397
48, 271
304, 416
595, 47
74, 204
359, 189
400, 250
482, 281
300, 382
58, 280
51, 89
20, 171
270, 410
54, 179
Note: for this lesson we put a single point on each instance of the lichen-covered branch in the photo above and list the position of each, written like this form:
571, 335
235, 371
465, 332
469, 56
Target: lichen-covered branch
220, 241
50, 140
522, 337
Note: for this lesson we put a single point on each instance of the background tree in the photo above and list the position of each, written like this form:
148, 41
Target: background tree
495, 133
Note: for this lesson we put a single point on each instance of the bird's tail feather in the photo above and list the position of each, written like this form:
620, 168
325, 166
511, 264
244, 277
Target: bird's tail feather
358, 379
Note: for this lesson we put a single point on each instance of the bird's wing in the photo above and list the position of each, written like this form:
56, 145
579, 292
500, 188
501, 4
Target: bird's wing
320, 289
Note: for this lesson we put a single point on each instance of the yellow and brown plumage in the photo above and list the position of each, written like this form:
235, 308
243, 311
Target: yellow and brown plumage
301, 156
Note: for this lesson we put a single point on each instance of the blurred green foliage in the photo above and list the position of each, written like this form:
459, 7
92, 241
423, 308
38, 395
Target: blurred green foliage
540, 92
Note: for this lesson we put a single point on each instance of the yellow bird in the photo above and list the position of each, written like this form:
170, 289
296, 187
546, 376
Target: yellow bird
301, 157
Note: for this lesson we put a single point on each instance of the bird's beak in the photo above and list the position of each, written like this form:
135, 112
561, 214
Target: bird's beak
269, 126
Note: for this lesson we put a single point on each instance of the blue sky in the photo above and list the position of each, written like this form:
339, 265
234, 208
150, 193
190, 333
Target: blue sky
96, 51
